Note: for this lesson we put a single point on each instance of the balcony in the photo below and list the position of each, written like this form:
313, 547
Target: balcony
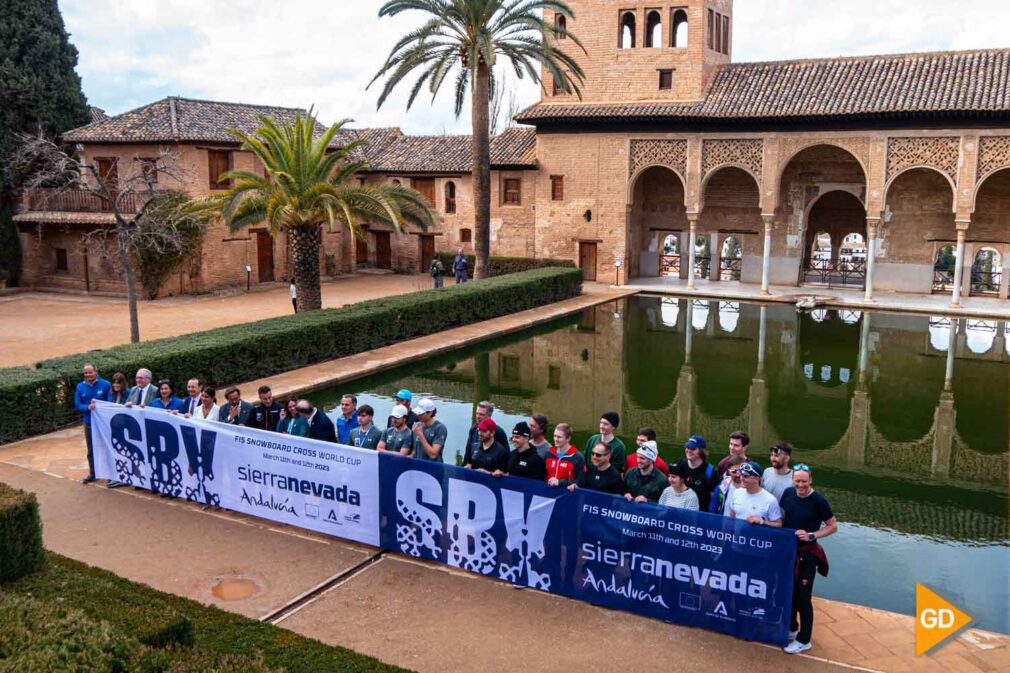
75, 201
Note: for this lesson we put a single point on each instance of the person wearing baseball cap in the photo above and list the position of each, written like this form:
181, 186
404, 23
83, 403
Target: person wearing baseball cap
403, 398
645, 483
524, 460
702, 477
677, 494
429, 434
609, 423
486, 454
398, 438
752, 503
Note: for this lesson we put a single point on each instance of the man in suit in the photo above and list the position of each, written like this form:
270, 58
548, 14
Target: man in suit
144, 392
195, 400
237, 411
320, 425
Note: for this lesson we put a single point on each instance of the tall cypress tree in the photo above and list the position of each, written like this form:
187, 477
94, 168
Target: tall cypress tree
38, 89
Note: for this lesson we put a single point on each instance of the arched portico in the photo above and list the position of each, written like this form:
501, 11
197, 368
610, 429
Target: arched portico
730, 213
835, 241
656, 211
990, 231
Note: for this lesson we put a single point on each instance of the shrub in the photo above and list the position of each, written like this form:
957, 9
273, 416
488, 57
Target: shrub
21, 551
500, 266
254, 350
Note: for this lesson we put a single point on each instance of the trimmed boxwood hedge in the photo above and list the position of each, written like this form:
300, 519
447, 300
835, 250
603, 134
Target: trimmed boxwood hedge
222, 641
21, 551
501, 266
37, 401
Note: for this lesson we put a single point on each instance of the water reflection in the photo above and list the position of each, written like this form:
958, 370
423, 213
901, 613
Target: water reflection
903, 417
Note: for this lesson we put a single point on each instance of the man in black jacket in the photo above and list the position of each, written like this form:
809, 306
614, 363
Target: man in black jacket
267, 413
320, 425
484, 410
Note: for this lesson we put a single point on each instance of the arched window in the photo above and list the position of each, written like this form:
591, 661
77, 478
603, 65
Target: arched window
730, 264
678, 35
626, 40
653, 29
943, 269
852, 254
450, 197
820, 254
561, 22
986, 272
702, 257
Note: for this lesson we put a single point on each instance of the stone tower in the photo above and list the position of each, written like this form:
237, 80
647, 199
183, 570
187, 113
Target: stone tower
644, 50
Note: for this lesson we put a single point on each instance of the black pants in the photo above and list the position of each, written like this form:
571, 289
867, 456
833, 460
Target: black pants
294, 304
803, 602
91, 450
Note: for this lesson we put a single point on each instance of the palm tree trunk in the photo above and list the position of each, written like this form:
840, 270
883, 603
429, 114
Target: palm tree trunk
305, 242
131, 282
481, 151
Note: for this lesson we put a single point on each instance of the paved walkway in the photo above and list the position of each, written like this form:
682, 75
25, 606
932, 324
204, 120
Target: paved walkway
45, 325
414, 614
984, 307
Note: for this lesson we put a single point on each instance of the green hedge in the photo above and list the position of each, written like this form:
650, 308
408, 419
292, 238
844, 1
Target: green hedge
222, 641
34, 402
501, 266
21, 551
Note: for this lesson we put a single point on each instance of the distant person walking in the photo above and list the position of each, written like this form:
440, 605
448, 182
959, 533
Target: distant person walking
294, 296
460, 267
92, 388
437, 271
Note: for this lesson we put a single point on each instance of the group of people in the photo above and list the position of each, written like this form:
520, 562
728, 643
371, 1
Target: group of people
460, 269
781, 495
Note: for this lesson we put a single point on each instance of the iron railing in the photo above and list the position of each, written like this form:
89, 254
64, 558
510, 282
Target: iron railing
702, 266
731, 268
844, 273
943, 280
669, 265
986, 282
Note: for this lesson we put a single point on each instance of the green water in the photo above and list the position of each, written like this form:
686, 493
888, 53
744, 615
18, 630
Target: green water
905, 420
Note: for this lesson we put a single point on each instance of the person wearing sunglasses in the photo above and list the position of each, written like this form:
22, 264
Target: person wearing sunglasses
808, 514
752, 503
600, 475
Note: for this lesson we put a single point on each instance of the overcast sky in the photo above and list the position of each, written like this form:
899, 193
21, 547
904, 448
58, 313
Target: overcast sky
299, 53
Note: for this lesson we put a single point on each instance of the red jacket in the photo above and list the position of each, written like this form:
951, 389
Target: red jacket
565, 468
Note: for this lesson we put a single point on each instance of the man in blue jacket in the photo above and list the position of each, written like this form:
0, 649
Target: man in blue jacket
90, 389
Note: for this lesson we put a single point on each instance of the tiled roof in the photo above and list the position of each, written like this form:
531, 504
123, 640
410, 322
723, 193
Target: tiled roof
97, 114
935, 83
389, 150
178, 120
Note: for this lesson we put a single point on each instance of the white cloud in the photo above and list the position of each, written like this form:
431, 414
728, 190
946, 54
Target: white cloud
304, 52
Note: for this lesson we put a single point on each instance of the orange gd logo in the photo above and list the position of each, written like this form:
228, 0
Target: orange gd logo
937, 620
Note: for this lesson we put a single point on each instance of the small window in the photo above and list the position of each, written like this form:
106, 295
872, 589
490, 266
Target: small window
710, 29
450, 197
725, 35
665, 79
653, 29
557, 188
511, 191
108, 169
553, 377
149, 169
218, 163
718, 32
396, 182
61, 259
555, 89
465, 235
678, 34
562, 26
626, 38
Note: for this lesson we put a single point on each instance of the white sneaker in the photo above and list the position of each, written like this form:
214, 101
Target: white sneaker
792, 635
796, 647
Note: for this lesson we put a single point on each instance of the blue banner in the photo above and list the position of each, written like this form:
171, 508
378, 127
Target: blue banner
691, 568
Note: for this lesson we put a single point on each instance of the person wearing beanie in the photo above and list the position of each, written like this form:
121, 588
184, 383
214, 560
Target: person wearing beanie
609, 423
486, 455
645, 483
524, 461
677, 494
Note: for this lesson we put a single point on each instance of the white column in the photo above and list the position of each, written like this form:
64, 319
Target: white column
692, 219
872, 224
864, 346
715, 257
689, 331
948, 374
955, 301
766, 261
762, 337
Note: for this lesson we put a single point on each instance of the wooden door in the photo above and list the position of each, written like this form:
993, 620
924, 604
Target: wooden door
427, 252
587, 260
265, 256
426, 187
360, 251
383, 256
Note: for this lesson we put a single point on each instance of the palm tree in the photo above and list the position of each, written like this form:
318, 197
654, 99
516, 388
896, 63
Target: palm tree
468, 36
310, 182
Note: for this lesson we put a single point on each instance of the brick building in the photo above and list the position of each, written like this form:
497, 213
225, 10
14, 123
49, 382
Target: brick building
873, 172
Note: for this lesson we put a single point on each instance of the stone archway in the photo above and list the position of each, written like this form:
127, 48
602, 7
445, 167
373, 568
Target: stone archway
990, 229
835, 250
732, 208
656, 212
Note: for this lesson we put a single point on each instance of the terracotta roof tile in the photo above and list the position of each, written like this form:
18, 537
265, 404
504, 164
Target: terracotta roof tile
892, 85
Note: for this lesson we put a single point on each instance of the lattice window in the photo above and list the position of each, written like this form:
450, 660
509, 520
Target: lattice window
940, 153
993, 154
748, 153
671, 153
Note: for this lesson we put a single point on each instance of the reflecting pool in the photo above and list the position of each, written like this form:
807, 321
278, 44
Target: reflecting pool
905, 420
